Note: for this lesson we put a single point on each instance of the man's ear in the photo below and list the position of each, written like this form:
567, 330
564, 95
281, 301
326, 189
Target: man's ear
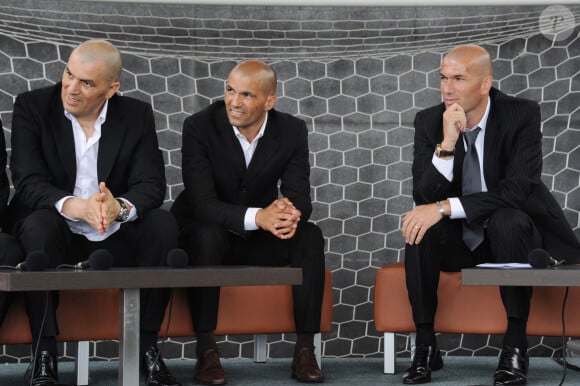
113, 88
270, 102
486, 84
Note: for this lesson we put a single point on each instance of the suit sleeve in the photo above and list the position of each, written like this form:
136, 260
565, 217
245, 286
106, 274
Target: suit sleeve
519, 163
295, 180
199, 182
4, 184
31, 175
428, 184
145, 178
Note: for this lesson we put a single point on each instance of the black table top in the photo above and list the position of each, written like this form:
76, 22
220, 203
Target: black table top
151, 277
563, 275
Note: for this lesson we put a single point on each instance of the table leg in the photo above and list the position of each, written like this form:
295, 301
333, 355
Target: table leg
573, 346
129, 337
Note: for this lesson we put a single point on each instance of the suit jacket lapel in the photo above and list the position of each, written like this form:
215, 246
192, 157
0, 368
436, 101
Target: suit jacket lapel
231, 144
492, 138
61, 127
112, 133
267, 147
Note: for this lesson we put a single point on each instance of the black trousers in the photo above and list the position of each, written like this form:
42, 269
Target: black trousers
10, 255
209, 244
509, 237
143, 243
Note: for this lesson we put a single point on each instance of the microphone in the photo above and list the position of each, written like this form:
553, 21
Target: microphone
99, 260
540, 258
177, 258
35, 261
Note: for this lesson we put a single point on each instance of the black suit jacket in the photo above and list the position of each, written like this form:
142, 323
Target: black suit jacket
4, 184
43, 162
512, 166
218, 186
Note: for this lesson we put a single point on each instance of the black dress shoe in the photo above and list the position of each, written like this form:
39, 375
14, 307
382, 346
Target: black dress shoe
425, 360
44, 372
154, 369
512, 368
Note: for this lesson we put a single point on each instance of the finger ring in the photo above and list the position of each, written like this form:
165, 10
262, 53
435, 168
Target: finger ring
417, 226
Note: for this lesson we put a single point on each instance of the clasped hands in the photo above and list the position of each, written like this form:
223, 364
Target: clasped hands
279, 218
99, 210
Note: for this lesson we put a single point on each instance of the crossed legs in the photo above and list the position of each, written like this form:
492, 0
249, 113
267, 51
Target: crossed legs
510, 236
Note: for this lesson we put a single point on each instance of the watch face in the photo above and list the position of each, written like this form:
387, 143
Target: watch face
123, 213
444, 153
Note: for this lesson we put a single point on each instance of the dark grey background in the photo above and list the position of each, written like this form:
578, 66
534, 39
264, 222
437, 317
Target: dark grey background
357, 75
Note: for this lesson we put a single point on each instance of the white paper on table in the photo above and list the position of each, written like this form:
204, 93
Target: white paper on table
504, 265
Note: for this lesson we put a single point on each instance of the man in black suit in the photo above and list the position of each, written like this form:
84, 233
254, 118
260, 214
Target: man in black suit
455, 225
247, 201
10, 251
89, 175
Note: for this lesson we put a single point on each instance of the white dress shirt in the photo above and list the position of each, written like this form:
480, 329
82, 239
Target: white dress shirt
249, 148
87, 182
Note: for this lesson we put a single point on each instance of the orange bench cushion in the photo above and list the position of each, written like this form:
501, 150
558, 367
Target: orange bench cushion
470, 309
94, 314
250, 310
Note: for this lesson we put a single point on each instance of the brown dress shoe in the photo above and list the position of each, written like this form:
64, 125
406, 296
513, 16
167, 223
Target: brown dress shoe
208, 369
305, 368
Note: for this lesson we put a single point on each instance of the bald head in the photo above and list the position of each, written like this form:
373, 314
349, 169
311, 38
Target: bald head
466, 81
95, 51
259, 71
476, 57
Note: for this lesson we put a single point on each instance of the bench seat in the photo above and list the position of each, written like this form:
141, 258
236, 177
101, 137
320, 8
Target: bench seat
89, 315
466, 309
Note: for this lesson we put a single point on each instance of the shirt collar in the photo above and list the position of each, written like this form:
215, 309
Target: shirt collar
100, 119
260, 133
483, 123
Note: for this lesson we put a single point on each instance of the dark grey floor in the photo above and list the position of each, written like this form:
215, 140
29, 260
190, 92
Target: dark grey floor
458, 371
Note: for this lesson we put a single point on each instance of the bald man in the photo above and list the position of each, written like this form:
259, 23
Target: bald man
89, 175
473, 203
235, 153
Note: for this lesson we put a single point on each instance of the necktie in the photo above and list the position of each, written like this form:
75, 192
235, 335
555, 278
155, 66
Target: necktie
471, 183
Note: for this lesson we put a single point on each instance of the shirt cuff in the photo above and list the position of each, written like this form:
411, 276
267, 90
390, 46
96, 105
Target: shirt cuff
457, 210
443, 166
250, 219
59, 205
133, 212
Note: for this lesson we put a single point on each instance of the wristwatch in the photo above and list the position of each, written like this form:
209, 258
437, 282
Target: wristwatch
123, 213
440, 209
440, 152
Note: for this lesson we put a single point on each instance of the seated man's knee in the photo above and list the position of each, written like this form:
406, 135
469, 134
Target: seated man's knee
443, 232
311, 234
206, 244
512, 234
161, 219
43, 224
506, 222
11, 252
